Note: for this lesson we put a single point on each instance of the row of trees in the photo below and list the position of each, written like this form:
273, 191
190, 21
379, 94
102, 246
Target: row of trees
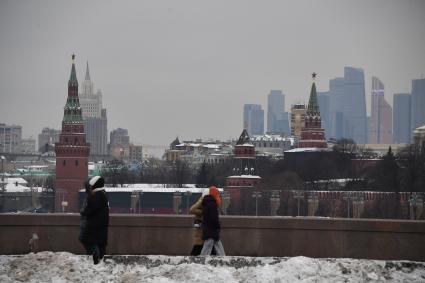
404, 171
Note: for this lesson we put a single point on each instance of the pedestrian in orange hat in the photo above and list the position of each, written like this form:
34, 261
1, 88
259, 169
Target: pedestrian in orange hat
211, 223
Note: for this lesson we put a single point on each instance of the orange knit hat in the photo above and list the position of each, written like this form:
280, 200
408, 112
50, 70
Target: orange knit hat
215, 194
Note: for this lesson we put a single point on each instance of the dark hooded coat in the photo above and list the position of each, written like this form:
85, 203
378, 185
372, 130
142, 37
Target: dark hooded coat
210, 221
95, 218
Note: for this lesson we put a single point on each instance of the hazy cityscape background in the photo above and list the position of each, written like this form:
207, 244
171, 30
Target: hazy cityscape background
186, 68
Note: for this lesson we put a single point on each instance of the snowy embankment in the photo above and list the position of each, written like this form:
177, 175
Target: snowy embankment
66, 267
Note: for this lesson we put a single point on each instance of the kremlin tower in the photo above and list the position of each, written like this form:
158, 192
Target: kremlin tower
244, 177
72, 152
312, 134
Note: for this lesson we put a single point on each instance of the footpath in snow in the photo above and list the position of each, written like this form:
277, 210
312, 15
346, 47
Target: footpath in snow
67, 267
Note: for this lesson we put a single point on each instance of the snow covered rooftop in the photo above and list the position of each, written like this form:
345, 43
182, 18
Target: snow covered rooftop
208, 145
307, 149
267, 137
144, 185
153, 189
67, 267
419, 129
212, 146
12, 188
245, 177
245, 144
20, 181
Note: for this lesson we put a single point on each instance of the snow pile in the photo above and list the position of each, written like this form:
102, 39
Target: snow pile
66, 267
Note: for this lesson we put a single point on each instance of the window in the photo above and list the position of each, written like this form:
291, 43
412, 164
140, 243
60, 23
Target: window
76, 162
64, 163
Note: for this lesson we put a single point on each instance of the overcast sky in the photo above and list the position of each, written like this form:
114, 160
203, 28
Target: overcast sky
185, 68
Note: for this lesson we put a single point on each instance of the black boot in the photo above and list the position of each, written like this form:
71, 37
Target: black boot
96, 255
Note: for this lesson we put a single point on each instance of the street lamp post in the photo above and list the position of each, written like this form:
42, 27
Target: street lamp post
312, 203
187, 194
226, 201
133, 202
348, 197
274, 202
177, 198
298, 195
2, 171
413, 201
64, 203
256, 195
140, 193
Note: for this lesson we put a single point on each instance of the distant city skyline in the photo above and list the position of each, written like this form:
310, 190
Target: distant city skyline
186, 69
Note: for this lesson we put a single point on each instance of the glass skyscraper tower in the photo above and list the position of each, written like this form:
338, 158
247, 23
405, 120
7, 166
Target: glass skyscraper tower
253, 119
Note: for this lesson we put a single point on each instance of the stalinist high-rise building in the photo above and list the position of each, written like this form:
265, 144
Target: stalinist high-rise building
94, 116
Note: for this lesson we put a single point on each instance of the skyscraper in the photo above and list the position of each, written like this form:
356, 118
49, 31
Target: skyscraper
348, 106
94, 116
323, 100
253, 119
418, 105
277, 118
336, 111
313, 135
381, 115
355, 105
298, 113
72, 151
401, 118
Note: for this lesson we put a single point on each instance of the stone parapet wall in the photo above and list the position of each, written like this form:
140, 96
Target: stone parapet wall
247, 236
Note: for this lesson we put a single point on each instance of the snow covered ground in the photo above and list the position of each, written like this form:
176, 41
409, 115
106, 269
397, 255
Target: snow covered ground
66, 267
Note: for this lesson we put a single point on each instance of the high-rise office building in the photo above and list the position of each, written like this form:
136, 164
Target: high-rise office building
94, 116
380, 128
253, 119
298, 114
47, 138
277, 118
10, 138
355, 106
336, 111
348, 106
417, 105
401, 118
324, 103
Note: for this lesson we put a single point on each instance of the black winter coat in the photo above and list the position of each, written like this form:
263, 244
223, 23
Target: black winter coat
210, 222
95, 219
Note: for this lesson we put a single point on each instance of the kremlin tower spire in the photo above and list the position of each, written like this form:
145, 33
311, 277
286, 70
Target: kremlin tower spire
313, 135
313, 106
72, 151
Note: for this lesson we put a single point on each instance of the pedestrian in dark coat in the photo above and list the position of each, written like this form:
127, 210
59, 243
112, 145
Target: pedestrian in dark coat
211, 223
198, 241
95, 219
